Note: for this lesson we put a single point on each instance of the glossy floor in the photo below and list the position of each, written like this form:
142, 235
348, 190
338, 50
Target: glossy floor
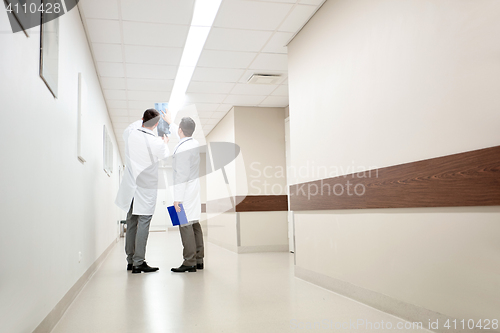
234, 293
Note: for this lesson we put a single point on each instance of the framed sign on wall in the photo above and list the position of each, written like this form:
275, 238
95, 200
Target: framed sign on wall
107, 153
49, 54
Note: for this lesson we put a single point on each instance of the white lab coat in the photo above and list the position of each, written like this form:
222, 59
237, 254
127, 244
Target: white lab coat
186, 168
143, 149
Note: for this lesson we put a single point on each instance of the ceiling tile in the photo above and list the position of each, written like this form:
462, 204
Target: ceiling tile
204, 98
219, 114
212, 121
217, 74
137, 108
283, 1
100, 9
253, 89
113, 83
270, 61
104, 31
153, 55
275, 101
117, 104
119, 119
150, 96
137, 33
297, 18
277, 44
150, 84
205, 114
208, 129
111, 69
143, 71
161, 11
225, 59
118, 112
312, 2
225, 107
206, 107
120, 126
210, 87
236, 40
115, 95
281, 91
239, 100
107, 52
137, 114
251, 15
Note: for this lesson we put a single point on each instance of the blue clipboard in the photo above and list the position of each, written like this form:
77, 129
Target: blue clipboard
177, 218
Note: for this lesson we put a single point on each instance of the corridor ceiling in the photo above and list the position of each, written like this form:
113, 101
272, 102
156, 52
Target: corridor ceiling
137, 47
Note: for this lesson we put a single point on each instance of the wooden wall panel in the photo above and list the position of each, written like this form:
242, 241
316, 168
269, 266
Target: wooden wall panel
262, 203
465, 179
250, 203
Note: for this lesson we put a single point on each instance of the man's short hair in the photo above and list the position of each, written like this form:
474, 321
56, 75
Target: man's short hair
187, 126
150, 118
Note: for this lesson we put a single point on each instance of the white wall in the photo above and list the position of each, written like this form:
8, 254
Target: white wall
380, 83
53, 207
387, 82
223, 132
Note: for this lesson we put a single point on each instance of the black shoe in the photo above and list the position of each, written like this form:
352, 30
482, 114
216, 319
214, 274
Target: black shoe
129, 267
144, 267
199, 266
183, 269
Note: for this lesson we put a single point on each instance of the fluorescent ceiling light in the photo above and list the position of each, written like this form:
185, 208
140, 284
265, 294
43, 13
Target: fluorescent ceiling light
203, 19
205, 12
194, 45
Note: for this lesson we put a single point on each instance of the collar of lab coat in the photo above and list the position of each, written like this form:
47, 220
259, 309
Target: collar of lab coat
146, 130
180, 142
184, 139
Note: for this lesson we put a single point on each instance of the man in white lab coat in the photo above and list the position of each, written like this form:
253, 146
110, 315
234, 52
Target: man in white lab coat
186, 167
139, 186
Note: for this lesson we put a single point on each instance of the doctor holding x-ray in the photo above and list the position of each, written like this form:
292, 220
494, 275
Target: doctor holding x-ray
139, 187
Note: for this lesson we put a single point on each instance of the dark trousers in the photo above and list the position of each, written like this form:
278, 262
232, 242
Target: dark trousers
136, 237
192, 241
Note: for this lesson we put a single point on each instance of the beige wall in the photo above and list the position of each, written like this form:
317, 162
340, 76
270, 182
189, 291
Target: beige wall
222, 230
264, 229
260, 132
379, 83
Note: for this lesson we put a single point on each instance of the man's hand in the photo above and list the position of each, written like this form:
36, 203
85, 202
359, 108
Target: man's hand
177, 207
167, 116
165, 139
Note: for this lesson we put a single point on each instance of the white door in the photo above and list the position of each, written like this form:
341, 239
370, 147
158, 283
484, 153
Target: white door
291, 231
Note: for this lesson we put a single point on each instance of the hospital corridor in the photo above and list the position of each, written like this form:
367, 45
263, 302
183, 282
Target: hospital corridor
250, 166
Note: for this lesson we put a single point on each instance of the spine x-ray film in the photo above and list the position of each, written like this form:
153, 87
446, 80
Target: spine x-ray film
163, 126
